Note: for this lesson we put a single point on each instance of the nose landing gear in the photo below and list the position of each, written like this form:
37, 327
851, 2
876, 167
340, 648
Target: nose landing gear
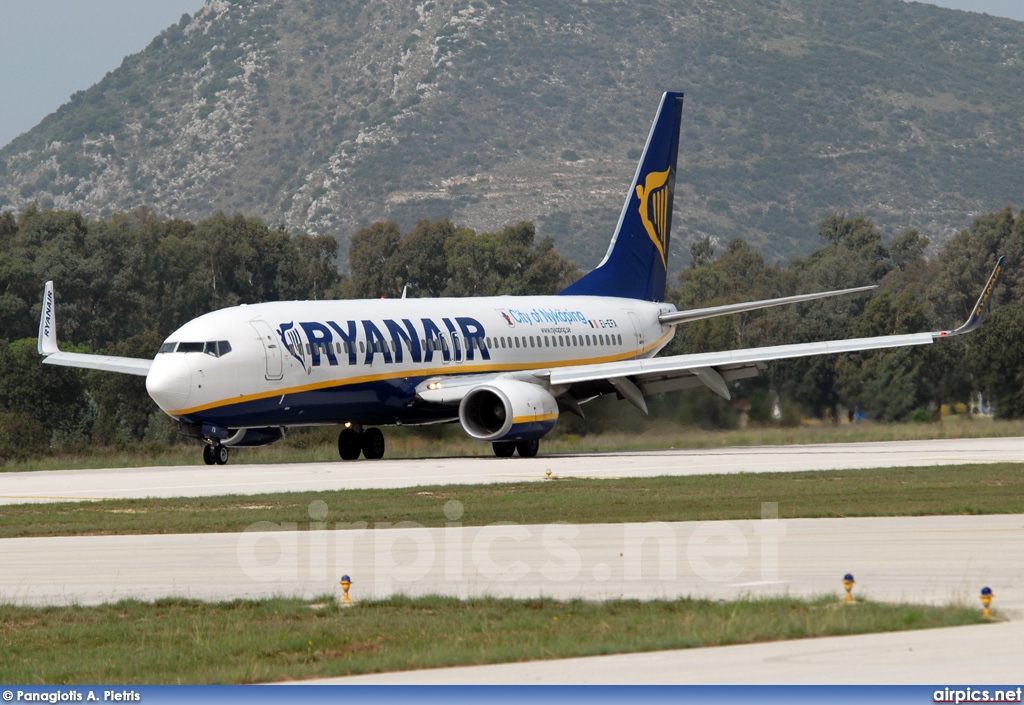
215, 453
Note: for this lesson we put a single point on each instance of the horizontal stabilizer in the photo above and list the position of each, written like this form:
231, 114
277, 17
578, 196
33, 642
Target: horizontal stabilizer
697, 314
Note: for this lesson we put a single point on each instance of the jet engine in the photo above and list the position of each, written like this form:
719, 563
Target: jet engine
508, 410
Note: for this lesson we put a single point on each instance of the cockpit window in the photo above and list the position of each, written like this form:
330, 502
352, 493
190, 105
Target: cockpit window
213, 348
217, 348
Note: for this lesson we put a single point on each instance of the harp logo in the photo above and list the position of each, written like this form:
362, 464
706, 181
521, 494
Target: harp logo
292, 339
654, 202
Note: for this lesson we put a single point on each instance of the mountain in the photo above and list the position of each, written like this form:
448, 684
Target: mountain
327, 115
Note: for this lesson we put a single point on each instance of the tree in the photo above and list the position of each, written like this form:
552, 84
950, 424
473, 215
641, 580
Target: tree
124, 406
54, 396
997, 357
421, 262
369, 254
702, 253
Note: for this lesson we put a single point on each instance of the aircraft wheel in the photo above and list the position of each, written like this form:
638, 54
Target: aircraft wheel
220, 454
373, 444
528, 449
504, 449
208, 455
349, 444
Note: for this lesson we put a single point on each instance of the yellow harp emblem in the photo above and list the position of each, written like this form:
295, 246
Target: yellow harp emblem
653, 197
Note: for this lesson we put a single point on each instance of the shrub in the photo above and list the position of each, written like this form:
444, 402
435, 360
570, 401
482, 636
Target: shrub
921, 416
21, 437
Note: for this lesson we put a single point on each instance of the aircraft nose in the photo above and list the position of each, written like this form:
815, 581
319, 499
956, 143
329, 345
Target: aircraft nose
169, 382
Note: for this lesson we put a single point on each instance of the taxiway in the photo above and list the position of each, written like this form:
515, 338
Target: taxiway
919, 559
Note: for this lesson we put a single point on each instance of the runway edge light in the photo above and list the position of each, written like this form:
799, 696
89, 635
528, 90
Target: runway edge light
346, 583
986, 600
848, 582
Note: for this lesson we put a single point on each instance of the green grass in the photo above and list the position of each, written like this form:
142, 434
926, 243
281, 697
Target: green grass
175, 641
320, 444
965, 489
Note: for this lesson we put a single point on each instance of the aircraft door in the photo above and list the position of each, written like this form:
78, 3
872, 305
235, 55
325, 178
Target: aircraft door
638, 330
445, 348
458, 354
271, 349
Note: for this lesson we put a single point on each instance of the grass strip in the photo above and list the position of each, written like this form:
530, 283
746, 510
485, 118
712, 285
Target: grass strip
242, 641
319, 444
941, 490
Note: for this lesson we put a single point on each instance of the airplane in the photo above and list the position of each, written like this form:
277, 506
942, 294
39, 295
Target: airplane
504, 367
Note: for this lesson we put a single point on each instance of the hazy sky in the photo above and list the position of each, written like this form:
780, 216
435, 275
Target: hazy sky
50, 49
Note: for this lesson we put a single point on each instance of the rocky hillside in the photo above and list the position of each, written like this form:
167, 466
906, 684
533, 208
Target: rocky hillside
327, 115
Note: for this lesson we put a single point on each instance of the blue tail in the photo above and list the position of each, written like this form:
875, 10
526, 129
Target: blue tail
637, 259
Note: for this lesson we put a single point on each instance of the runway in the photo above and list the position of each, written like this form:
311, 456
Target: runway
920, 559
198, 481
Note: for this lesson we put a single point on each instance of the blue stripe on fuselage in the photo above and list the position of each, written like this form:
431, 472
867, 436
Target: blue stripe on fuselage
382, 402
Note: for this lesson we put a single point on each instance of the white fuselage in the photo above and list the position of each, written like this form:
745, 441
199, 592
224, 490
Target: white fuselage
315, 362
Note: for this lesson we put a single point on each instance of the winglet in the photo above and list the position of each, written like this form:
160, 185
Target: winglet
980, 308
47, 344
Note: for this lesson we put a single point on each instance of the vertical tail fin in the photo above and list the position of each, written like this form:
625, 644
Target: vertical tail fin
637, 260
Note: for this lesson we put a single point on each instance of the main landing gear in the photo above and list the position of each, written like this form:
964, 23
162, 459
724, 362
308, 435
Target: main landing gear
506, 449
215, 453
352, 441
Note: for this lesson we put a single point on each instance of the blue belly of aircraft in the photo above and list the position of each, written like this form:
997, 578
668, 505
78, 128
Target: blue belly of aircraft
373, 403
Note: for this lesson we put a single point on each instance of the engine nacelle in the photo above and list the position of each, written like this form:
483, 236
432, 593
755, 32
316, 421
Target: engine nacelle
251, 437
508, 410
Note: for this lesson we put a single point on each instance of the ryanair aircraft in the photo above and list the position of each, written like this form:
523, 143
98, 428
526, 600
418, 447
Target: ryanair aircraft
503, 367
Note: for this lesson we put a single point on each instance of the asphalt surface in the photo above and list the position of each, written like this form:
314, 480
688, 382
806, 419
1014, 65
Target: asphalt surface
201, 480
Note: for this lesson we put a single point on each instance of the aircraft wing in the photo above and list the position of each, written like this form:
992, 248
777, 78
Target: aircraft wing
47, 347
109, 363
635, 379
